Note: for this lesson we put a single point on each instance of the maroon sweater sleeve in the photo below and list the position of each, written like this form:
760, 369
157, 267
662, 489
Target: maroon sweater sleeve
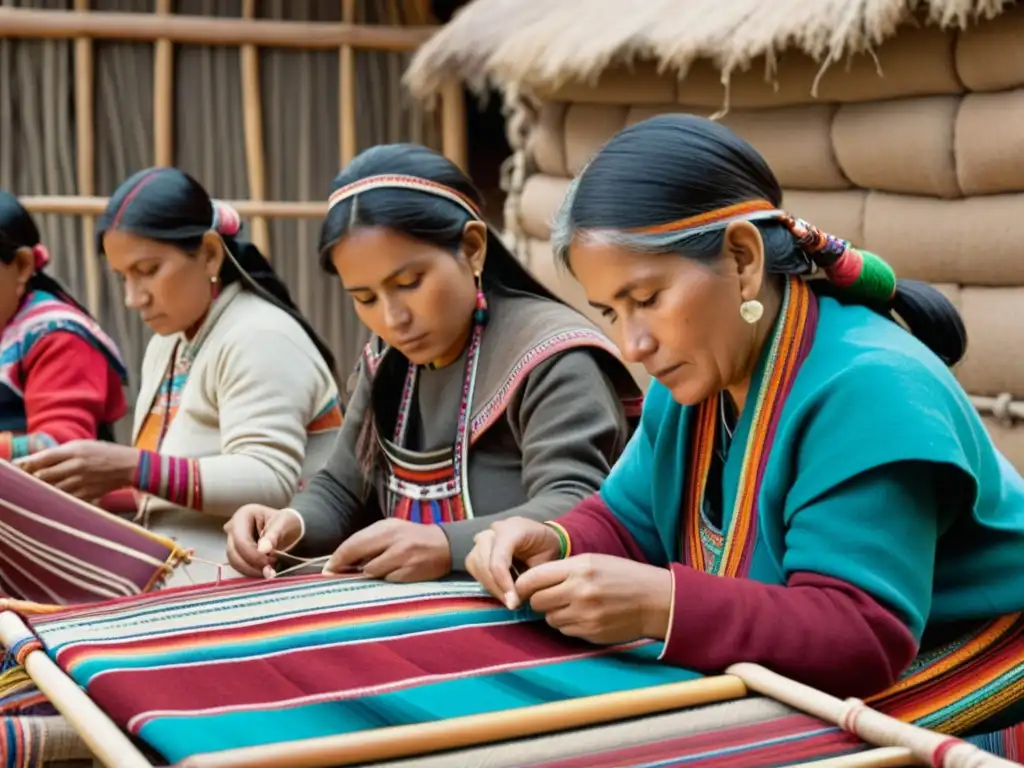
816, 629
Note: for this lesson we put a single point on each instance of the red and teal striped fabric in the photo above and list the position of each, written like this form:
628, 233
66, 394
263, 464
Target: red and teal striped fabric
782, 741
247, 663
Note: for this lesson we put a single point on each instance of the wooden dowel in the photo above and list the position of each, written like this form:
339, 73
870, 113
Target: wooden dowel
98, 731
81, 205
252, 121
869, 724
454, 144
423, 738
85, 161
347, 103
205, 30
163, 94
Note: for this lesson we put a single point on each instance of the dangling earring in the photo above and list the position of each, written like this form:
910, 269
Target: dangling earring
481, 313
751, 311
214, 287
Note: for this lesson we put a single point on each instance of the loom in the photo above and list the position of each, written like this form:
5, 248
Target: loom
308, 671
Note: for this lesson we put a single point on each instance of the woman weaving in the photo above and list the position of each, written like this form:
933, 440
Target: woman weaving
238, 401
479, 395
61, 376
796, 440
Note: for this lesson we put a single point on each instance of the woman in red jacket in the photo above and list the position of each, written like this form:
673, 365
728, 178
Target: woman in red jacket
61, 376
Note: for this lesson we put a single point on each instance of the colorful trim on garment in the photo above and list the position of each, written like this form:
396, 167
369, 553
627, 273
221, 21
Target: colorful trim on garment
492, 410
437, 491
14, 447
792, 341
958, 686
327, 419
175, 479
41, 314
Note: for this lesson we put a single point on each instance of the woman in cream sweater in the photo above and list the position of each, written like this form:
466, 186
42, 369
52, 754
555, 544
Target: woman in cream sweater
238, 401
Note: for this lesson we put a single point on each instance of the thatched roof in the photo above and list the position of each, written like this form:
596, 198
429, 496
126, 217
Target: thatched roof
547, 43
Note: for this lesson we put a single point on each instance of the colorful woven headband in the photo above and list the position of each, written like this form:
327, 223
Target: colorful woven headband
391, 181
859, 272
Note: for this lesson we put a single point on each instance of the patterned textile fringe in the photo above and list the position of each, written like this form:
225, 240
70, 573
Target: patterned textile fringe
32, 742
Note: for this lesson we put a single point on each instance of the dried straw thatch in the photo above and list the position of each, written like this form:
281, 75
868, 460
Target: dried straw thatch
543, 44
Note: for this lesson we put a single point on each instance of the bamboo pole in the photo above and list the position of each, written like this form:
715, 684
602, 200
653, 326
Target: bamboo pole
252, 117
204, 30
85, 161
163, 94
399, 741
83, 205
347, 103
454, 142
101, 735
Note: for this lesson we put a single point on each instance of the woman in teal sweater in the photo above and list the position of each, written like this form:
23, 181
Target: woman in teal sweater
795, 440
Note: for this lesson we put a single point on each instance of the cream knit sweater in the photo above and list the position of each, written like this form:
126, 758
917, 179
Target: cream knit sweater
255, 383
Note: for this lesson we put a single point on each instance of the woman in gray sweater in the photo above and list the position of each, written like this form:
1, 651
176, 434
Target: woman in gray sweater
479, 396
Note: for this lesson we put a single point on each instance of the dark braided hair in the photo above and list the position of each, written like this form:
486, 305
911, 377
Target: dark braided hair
169, 206
670, 184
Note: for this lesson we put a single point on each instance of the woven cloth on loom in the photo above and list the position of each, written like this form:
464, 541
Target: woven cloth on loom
57, 550
248, 663
30, 741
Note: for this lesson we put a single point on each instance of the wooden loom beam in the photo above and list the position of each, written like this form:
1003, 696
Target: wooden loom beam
252, 118
203, 30
163, 93
347, 101
84, 205
85, 160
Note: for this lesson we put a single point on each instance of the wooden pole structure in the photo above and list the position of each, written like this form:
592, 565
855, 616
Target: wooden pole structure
454, 143
252, 117
163, 93
347, 102
85, 160
81, 205
204, 30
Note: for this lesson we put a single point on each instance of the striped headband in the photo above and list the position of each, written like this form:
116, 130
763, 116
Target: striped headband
751, 210
395, 181
862, 273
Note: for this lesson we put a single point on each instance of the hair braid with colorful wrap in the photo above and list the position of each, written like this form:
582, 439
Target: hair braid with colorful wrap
673, 183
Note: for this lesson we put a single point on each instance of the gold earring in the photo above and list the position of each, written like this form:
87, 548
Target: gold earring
751, 311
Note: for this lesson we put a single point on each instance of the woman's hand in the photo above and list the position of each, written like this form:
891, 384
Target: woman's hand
394, 550
255, 533
600, 598
505, 543
88, 469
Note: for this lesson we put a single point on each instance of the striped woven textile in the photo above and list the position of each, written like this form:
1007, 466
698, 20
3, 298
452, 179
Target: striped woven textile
753, 732
57, 550
28, 742
248, 663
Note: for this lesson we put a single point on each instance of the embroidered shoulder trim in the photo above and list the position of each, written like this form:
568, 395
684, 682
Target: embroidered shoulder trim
492, 410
